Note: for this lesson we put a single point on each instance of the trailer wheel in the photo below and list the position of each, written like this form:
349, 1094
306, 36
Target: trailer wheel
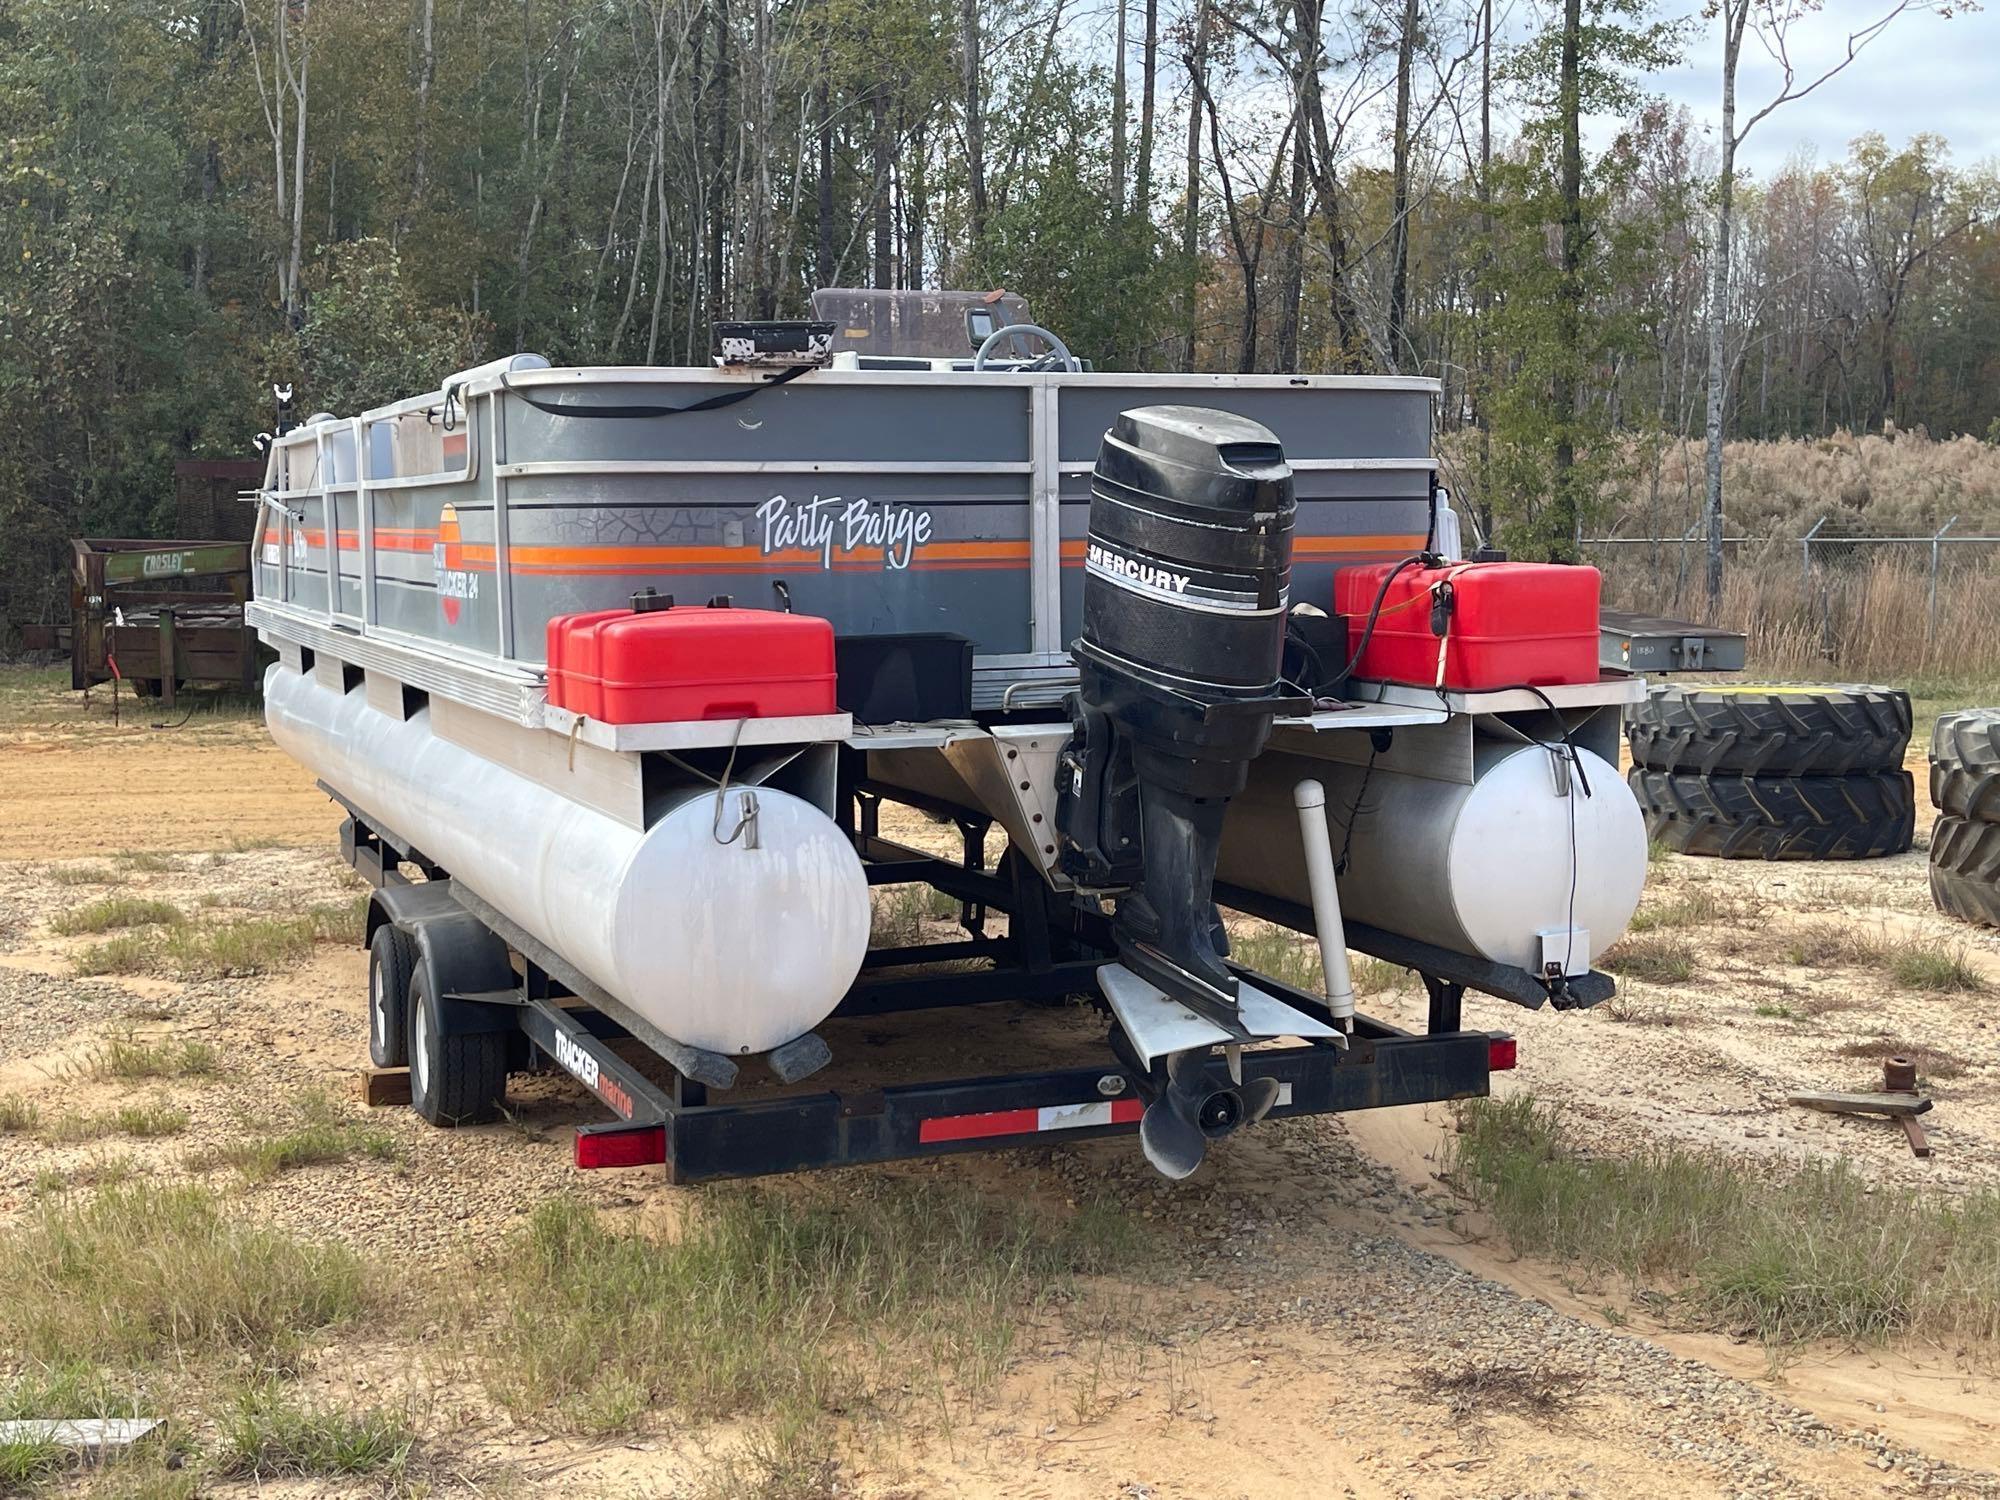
1779, 817
1760, 729
1965, 870
392, 955
454, 1080
1965, 764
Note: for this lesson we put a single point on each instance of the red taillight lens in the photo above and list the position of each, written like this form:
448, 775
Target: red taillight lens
1499, 1054
643, 1146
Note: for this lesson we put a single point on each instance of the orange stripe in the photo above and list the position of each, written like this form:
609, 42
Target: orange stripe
933, 555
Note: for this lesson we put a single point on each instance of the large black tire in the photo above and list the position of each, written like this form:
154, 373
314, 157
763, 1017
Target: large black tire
1779, 817
1758, 729
1965, 764
454, 1080
392, 955
1965, 870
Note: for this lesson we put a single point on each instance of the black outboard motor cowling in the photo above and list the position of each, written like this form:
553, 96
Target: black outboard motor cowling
1186, 584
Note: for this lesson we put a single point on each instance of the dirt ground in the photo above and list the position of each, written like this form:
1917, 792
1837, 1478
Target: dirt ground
1338, 1323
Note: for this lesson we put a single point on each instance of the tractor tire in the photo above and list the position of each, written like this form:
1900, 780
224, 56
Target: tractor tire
392, 957
1965, 870
454, 1080
1758, 729
1965, 765
1779, 817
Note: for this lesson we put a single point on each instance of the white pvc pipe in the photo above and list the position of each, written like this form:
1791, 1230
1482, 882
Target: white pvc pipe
1310, 798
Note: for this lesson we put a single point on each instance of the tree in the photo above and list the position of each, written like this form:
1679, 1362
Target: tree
1772, 23
1559, 253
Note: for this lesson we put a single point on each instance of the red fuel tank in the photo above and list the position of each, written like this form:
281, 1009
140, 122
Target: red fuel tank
667, 663
1503, 624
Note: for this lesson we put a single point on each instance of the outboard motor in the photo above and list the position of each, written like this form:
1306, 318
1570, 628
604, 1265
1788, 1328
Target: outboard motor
1186, 582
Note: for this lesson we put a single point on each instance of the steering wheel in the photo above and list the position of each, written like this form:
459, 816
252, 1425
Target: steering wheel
1058, 350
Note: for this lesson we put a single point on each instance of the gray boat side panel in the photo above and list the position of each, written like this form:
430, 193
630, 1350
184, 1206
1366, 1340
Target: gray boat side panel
1309, 423
805, 421
811, 484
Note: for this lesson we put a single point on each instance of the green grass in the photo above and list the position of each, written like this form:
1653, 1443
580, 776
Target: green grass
18, 1116
1818, 1252
770, 1307
26, 1462
1935, 968
1771, 1010
82, 875
272, 1433
217, 950
136, 1273
147, 862
1655, 958
1287, 957
141, 1121
1927, 965
116, 912
321, 1132
258, 945
132, 1058
1931, 696
128, 953
1698, 905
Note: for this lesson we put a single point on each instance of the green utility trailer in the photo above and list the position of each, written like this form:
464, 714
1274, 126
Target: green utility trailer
136, 614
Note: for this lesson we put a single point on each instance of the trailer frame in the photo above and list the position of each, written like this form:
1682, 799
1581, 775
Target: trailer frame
1054, 946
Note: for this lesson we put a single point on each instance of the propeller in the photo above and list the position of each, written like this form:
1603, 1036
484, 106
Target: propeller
1189, 1112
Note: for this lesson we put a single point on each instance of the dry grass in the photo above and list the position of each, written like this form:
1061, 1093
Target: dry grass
1865, 610
1699, 904
1821, 1253
1627, 1011
1932, 1062
1478, 1391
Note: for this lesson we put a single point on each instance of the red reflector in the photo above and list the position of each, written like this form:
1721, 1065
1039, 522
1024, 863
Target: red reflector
1500, 1054
643, 1147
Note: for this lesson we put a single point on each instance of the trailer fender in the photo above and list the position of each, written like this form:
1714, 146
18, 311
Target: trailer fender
410, 906
459, 954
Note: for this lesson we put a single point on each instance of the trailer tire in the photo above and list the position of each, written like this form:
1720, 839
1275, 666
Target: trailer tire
392, 957
1757, 729
1965, 870
1965, 765
1779, 817
454, 1079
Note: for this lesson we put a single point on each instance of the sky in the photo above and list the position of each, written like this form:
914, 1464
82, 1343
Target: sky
1924, 73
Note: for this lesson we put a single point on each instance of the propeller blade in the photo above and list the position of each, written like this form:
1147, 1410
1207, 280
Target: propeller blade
1173, 1143
1259, 1094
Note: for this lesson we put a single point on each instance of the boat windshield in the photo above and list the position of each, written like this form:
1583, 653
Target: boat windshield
922, 325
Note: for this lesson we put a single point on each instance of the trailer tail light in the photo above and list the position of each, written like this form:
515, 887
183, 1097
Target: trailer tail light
1500, 1053
622, 1146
